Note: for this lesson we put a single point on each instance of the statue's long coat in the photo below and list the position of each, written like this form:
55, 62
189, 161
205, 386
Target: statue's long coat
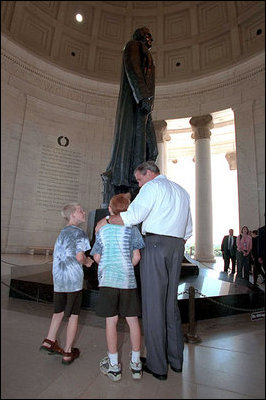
134, 135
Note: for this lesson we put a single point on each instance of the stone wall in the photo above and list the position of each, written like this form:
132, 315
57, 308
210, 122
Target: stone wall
57, 132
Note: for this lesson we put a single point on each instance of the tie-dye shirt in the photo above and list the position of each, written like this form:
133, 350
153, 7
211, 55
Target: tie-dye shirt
67, 271
115, 244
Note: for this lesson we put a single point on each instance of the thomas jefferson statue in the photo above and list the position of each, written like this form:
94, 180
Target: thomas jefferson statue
134, 135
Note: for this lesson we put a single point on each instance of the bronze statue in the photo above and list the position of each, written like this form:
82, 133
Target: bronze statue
134, 135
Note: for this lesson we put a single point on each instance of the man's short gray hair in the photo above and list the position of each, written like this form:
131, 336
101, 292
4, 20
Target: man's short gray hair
147, 165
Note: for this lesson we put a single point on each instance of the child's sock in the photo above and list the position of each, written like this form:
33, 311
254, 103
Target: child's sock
113, 358
135, 356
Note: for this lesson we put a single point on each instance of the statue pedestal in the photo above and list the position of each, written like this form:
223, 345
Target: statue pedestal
90, 274
93, 217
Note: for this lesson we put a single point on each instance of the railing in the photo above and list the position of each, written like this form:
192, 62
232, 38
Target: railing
191, 336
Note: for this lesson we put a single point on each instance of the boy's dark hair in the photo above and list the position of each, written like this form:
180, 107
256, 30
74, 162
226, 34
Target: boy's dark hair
120, 202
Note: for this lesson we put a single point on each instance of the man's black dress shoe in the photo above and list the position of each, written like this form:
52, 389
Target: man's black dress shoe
157, 376
146, 369
176, 369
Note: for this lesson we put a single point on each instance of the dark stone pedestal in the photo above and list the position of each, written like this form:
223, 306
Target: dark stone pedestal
188, 268
93, 217
220, 298
90, 274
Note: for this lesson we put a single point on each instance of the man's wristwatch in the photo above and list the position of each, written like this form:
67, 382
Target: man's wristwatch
107, 219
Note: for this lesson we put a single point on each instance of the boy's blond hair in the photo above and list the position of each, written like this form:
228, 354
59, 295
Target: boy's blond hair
69, 209
120, 202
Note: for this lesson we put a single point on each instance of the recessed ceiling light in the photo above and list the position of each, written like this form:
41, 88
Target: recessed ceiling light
79, 17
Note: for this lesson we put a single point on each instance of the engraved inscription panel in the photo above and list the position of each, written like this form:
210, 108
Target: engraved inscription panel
59, 175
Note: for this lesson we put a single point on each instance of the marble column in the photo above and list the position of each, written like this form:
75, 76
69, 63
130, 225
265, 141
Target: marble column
162, 138
201, 126
247, 164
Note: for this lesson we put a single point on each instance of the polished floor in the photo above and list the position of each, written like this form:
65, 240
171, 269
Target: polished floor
228, 362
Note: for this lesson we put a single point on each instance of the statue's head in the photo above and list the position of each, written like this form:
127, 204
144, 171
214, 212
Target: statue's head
143, 35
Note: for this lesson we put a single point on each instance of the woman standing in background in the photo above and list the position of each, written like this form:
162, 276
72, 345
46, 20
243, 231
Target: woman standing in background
244, 247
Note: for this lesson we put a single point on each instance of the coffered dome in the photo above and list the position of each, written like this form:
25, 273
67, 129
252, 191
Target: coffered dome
191, 38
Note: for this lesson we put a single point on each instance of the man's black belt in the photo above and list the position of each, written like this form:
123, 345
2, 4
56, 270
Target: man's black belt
152, 234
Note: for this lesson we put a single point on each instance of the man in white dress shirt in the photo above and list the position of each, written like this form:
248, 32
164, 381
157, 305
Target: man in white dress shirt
163, 207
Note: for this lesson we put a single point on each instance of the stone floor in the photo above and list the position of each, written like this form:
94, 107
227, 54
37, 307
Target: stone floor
228, 362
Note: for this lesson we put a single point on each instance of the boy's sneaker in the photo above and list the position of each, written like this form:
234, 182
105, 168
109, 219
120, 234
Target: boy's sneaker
136, 369
112, 371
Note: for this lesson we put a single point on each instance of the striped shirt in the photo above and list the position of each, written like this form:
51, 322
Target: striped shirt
115, 244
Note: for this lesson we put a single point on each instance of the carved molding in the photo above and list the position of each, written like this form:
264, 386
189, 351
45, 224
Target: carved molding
191, 39
21, 69
231, 159
201, 126
231, 77
104, 94
160, 128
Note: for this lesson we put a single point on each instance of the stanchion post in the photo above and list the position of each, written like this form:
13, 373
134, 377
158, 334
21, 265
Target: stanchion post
191, 336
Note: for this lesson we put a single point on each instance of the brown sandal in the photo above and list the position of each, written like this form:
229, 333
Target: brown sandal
73, 355
54, 347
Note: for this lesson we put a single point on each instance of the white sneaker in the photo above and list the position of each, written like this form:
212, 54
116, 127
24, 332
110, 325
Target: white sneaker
136, 369
112, 371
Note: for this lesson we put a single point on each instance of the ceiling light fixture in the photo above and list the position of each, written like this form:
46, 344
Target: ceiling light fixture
79, 17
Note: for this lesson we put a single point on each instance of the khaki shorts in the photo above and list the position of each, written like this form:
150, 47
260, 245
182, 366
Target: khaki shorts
69, 302
112, 301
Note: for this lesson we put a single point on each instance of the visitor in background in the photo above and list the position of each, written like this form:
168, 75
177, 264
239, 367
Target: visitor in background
228, 248
256, 266
244, 247
261, 248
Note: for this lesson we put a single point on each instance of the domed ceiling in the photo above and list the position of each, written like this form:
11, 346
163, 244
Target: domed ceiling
191, 38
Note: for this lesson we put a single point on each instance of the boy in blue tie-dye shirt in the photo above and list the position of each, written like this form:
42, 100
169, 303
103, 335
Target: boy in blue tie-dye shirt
116, 250
69, 256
